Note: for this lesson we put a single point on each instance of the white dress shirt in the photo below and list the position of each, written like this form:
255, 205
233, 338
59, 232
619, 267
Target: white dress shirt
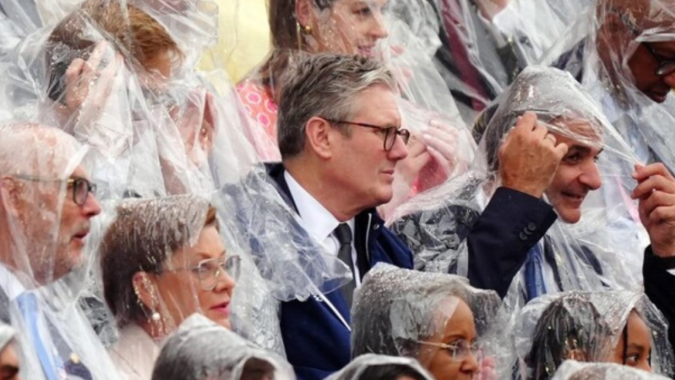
319, 222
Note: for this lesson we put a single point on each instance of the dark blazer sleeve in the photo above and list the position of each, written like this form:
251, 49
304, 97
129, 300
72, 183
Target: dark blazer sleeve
660, 288
511, 224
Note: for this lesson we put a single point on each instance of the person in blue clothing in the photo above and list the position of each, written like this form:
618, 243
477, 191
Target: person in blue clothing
540, 171
340, 139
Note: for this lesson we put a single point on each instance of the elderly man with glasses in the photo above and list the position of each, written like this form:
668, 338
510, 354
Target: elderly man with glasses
340, 139
46, 207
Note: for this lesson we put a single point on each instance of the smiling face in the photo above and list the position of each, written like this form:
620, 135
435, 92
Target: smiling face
181, 290
348, 27
359, 164
577, 174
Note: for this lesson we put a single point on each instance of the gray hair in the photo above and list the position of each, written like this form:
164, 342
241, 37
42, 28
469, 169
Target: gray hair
31, 148
323, 85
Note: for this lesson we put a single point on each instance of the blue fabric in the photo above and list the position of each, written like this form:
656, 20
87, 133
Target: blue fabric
317, 343
28, 306
534, 273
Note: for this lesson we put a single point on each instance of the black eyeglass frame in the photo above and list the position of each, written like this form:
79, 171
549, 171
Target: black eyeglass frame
79, 196
388, 140
666, 66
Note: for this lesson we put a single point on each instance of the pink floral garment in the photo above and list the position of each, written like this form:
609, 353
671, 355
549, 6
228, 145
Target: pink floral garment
263, 110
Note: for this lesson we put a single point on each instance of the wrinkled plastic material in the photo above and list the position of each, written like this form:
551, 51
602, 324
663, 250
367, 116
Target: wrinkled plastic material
362, 367
573, 370
44, 263
7, 334
395, 310
435, 225
201, 350
586, 324
601, 62
153, 130
396, 33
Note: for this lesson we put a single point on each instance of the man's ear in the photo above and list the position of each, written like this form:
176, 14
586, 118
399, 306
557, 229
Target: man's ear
304, 12
320, 137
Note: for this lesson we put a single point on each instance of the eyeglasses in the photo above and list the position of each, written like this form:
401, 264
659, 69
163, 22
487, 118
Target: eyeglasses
209, 271
459, 349
390, 133
666, 66
81, 186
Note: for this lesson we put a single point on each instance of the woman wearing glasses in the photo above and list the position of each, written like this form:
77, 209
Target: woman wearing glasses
434, 318
163, 260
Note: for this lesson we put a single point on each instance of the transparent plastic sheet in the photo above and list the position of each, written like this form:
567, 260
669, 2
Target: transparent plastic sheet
7, 335
573, 370
436, 224
47, 213
229, 356
608, 326
365, 28
608, 51
401, 312
158, 128
381, 367
486, 43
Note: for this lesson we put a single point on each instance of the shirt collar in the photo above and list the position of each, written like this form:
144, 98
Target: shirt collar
317, 219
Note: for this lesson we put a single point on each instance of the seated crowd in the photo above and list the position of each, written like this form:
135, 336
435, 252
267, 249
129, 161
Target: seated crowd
325, 218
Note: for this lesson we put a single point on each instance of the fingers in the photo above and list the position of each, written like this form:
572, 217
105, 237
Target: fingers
96, 57
651, 184
416, 146
655, 200
527, 122
561, 150
662, 214
643, 172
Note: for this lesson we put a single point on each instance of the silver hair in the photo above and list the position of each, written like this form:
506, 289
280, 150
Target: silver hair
324, 85
27, 147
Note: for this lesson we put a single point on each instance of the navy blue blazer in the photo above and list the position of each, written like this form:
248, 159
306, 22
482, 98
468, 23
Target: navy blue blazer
317, 342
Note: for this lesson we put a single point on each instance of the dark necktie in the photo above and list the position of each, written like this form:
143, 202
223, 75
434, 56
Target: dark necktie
344, 236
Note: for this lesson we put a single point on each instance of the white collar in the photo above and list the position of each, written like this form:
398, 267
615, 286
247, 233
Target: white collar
10, 284
317, 219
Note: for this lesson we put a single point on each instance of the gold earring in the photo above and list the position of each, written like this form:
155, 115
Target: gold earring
308, 29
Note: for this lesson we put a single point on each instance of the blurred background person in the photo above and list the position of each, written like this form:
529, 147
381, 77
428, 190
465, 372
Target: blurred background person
204, 350
382, 367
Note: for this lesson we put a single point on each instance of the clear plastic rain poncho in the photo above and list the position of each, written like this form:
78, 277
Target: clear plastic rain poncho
120, 78
591, 254
573, 370
610, 326
47, 213
7, 335
395, 31
617, 52
202, 350
381, 367
486, 43
400, 312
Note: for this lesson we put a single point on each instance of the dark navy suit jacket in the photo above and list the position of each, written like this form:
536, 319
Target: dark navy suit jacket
317, 342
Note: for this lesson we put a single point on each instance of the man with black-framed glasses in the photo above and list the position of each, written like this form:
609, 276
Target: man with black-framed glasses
46, 207
341, 136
